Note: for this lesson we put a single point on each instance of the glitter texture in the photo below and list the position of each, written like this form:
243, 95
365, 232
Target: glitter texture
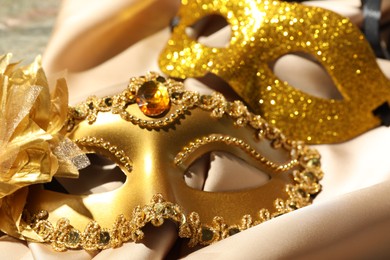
262, 32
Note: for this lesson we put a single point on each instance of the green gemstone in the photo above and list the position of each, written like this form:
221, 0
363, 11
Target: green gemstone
177, 95
168, 211
302, 192
293, 206
161, 79
233, 231
159, 207
104, 238
208, 100
73, 238
310, 176
108, 102
314, 162
78, 112
207, 234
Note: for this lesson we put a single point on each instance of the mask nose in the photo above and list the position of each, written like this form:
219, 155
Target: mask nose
152, 173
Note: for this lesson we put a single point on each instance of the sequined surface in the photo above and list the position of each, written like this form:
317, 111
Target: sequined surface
262, 32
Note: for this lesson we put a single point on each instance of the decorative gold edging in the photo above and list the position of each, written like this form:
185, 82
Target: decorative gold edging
101, 143
118, 104
64, 236
218, 138
184, 99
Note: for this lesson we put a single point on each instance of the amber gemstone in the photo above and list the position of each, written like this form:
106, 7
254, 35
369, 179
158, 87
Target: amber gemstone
153, 98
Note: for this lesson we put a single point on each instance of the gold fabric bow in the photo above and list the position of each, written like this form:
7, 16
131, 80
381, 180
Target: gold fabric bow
32, 147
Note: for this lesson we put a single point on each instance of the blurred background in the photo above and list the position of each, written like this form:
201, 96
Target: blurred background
25, 27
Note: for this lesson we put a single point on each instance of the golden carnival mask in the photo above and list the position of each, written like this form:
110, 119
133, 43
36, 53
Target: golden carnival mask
264, 31
154, 130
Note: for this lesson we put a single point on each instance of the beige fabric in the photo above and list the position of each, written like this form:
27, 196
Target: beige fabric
352, 226
11, 248
350, 219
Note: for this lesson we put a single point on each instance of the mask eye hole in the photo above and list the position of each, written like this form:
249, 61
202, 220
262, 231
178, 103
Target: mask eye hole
211, 30
219, 171
101, 176
305, 72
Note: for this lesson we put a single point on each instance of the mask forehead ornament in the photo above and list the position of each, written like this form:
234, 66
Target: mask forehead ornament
153, 131
264, 31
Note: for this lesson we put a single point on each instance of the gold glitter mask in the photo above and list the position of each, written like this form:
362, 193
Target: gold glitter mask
154, 130
264, 31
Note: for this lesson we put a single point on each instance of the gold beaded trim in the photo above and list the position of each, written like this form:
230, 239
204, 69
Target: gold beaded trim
118, 104
184, 99
215, 138
64, 236
100, 143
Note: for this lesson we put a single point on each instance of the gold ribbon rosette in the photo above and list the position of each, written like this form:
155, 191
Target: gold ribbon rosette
32, 147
